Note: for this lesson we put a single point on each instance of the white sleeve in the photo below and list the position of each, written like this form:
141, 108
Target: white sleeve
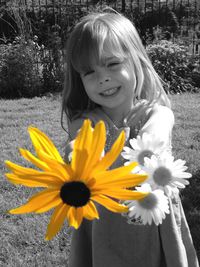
160, 124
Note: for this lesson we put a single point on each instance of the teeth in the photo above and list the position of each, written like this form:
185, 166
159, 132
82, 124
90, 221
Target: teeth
110, 91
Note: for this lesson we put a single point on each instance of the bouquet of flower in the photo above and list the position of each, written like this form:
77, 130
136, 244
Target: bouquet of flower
72, 189
165, 177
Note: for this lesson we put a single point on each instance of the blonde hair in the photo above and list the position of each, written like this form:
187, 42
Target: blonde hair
88, 41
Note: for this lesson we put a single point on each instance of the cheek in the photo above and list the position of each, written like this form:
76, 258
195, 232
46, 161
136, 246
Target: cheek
87, 85
129, 77
89, 89
89, 81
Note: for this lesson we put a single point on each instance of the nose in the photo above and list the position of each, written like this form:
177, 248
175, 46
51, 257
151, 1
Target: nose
104, 80
103, 75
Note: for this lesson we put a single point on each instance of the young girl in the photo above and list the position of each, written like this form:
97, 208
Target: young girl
110, 77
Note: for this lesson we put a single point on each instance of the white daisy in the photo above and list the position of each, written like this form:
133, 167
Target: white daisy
165, 173
143, 146
154, 207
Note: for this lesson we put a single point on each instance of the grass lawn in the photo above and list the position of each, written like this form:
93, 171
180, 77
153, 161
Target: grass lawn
22, 237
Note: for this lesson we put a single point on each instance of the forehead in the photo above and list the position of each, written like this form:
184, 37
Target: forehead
105, 58
96, 47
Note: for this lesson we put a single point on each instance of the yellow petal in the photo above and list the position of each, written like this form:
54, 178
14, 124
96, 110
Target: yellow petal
109, 204
82, 148
90, 211
38, 201
78, 217
78, 163
111, 155
37, 162
63, 170
48, 206
40, 178
84, 137
57, 220
97, 146
71, 215
48, 177
123, 194
17, 169
119, 177
126, 181
98, 142
75, 216
43, 142
15, 179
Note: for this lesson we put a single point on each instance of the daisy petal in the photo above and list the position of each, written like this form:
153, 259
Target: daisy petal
183, 175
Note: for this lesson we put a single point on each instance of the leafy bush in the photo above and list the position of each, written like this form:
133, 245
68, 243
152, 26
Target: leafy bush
195, 76
28, 69
171, 62
52, 60
19, 74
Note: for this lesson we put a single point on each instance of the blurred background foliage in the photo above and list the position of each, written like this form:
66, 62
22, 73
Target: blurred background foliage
33, 36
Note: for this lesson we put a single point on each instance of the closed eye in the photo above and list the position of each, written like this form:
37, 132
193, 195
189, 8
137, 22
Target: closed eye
113, 64
86, 73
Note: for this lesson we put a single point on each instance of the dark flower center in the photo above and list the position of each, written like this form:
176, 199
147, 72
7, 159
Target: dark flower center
149, 202
75, 194
162, 176
143, 154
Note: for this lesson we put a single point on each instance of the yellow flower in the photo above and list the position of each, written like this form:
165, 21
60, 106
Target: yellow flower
72, 189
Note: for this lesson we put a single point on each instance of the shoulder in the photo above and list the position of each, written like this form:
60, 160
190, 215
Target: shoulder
76, 124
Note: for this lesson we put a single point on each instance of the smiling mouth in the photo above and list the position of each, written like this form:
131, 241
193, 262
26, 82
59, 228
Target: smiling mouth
110, 92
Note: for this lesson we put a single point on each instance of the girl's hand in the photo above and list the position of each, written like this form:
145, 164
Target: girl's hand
68, 151
74, 127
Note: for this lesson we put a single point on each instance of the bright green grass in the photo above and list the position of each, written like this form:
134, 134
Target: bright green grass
22, 236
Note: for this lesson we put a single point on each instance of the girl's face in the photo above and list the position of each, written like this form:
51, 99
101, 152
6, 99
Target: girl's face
111, 84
